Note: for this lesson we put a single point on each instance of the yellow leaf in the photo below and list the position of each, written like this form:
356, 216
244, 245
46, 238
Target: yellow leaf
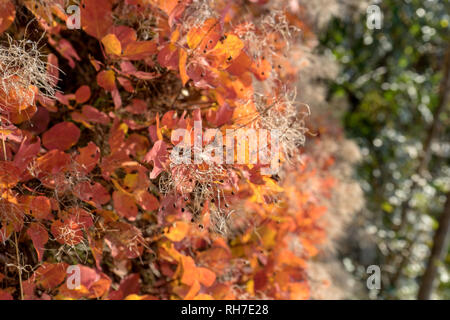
268, 236
272, 186
112, 44
131, 181
226, 51
250, 287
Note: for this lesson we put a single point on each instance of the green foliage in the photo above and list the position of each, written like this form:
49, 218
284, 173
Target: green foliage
391, 79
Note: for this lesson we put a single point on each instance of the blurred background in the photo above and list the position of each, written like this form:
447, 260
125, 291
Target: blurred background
390, 89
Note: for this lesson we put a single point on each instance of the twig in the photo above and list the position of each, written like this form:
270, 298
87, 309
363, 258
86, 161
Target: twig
19, 267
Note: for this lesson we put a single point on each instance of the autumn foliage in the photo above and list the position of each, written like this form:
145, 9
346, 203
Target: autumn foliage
85, 173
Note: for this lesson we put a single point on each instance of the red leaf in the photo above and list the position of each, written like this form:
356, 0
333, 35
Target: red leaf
52, 68
126, 84
80, 216
170, 119
39, 237
158, 155
261, 69
147, 201
116, 98
124, 240
67, 232
90, 114
125, 205
137, 106
168, 56
61, 136
9, 174
83, 94
240, 65
92, 192
66, 49
88, 157
189, 270
39, 122
124, 34
4, 295
52, 162
204, 37
96, 17
69, 229
129, 285
41, 208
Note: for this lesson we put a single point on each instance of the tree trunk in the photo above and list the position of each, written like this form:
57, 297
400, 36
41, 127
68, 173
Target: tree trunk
432, 131
440, 248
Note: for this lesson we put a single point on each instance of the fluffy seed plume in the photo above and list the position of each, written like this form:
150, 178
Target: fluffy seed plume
23, 74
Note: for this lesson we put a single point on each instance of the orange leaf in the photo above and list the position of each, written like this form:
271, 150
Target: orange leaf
261, 69
207, 34
7, 14
167, 5
49, 275
112, 44
299, 291
189, 270
138, 50
182, 66
125, 205
206, 276
107, 80
195, 288
9, 174
178, 231
226, 51
240, 65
